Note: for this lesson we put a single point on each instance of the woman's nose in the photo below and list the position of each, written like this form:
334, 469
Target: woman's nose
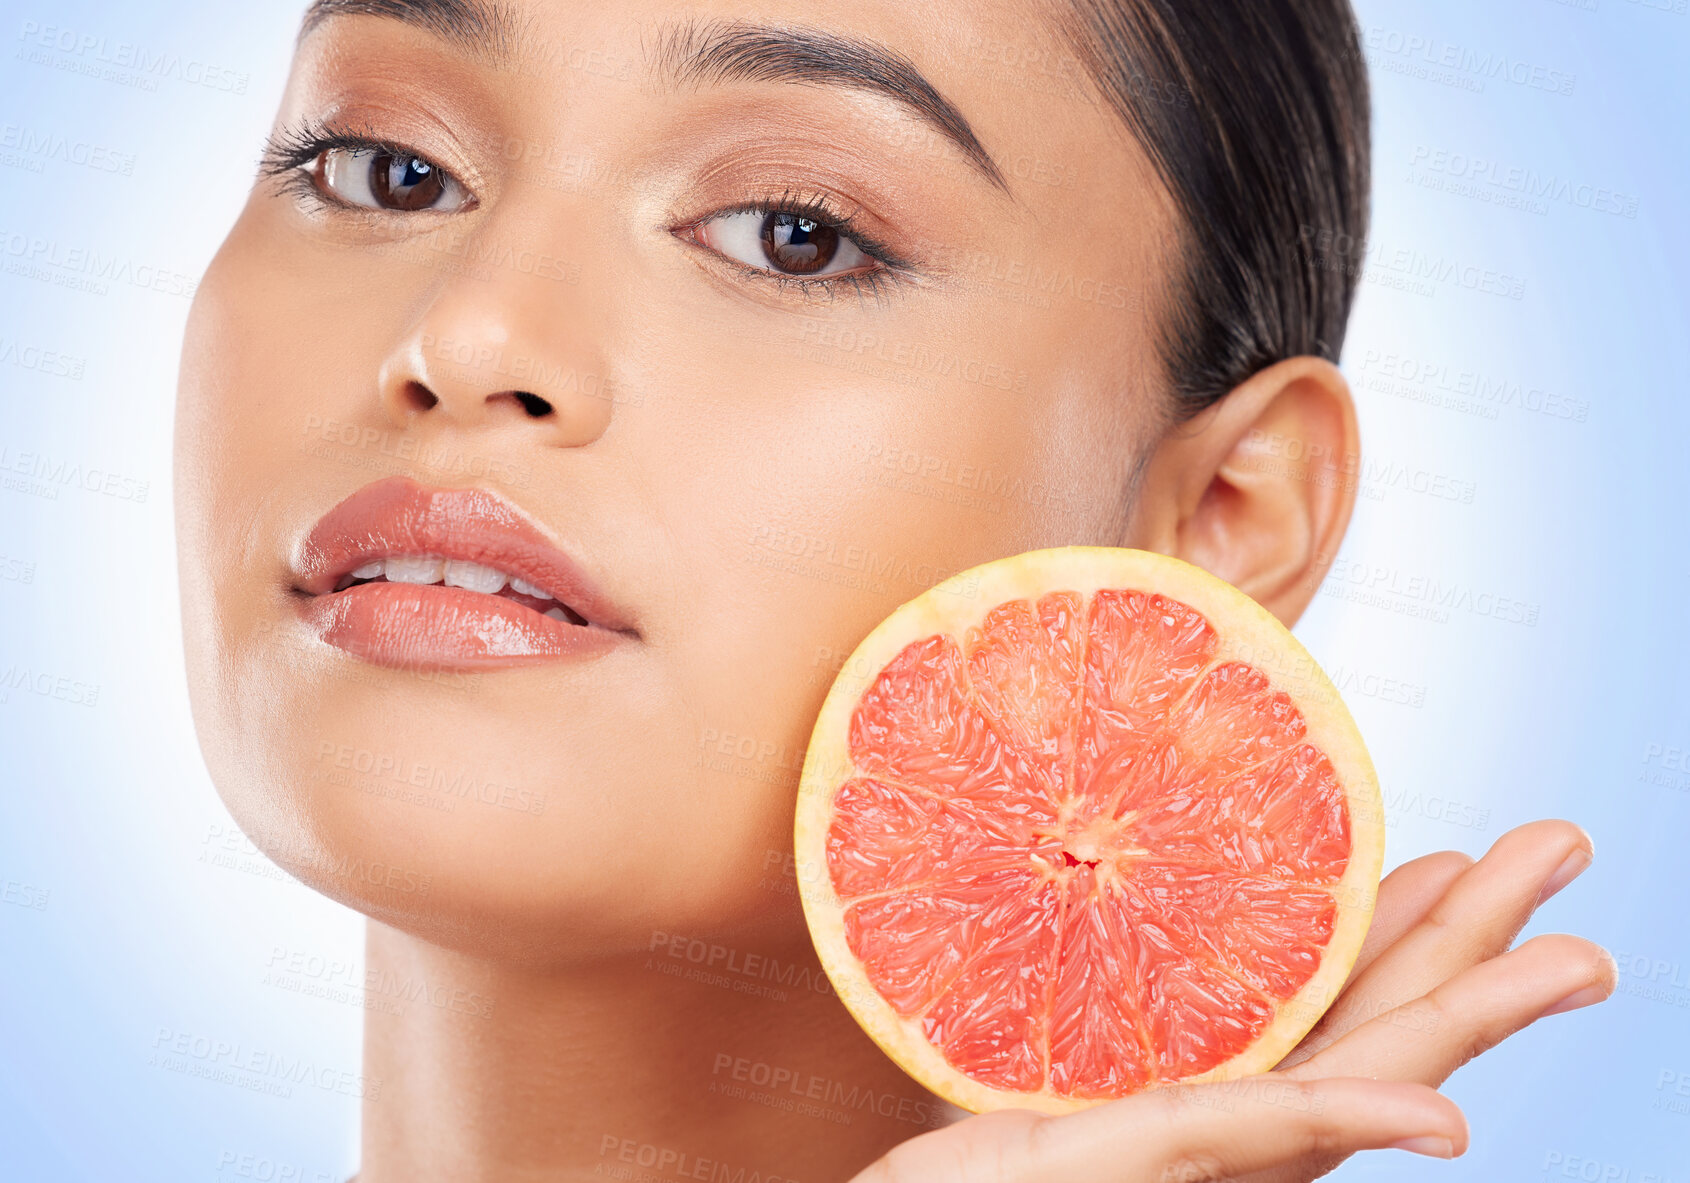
501, 347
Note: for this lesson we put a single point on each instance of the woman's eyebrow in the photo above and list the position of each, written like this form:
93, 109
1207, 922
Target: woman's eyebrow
723, 51
483, 29
712, 52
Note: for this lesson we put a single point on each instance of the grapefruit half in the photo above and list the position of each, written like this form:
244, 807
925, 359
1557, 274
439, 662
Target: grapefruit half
1080, 822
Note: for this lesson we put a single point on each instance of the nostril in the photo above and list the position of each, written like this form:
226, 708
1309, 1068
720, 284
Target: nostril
533, 404
420, 397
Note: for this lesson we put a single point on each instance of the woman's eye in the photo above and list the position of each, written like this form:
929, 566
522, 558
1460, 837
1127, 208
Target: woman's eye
785, 243
379, 179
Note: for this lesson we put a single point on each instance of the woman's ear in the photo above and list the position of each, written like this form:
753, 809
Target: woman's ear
1258, 489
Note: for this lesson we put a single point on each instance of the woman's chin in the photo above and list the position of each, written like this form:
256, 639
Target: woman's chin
464, 829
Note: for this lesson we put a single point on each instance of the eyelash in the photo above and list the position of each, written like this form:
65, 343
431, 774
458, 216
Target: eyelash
289, 149
818, 207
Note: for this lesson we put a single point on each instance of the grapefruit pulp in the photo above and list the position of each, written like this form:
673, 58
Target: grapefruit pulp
1080, 822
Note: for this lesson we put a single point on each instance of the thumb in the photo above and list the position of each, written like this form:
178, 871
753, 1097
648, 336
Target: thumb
1186, 1134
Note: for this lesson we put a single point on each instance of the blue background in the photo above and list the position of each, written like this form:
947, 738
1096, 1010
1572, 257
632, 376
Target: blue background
1507, 618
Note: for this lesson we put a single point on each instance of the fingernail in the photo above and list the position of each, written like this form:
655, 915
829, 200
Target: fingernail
1569, 870
1585, 997
1431, 1145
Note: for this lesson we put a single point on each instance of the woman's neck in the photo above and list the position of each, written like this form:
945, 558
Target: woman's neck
691, 1060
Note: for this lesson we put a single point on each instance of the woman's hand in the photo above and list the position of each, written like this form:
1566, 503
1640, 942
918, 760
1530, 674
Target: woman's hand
1435, 985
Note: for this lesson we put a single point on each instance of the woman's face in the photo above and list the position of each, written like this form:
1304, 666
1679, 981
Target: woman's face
800, 357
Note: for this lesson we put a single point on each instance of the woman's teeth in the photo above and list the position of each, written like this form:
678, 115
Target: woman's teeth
454, 573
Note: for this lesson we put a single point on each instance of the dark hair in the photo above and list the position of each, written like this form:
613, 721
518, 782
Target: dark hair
1255, 115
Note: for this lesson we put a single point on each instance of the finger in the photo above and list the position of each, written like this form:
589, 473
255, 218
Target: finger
1405, 896
1191, 1133
1477, 918
1425, 1040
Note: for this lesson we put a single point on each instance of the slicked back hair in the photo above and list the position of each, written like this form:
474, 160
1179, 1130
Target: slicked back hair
1255, 116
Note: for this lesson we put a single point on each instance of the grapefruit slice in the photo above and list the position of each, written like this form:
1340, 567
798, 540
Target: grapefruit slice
1081, 822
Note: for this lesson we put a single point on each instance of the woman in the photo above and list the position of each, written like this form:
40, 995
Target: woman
581, 381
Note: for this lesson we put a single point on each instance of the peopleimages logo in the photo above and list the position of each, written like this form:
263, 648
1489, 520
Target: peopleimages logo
1421, 595
258, 1069
97, 50
1473, 67
48, 474
39, 146
85, 268
1528, 183
1406, 268
41, 361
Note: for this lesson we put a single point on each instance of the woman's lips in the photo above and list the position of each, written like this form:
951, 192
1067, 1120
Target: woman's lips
428, 626
419, 624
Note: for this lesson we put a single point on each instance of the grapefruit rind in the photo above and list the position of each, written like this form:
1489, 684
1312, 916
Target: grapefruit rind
1246, 632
